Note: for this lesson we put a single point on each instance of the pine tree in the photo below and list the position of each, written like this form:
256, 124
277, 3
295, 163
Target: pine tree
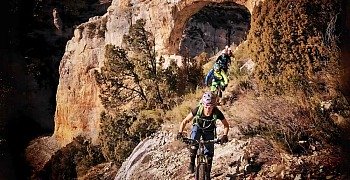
132, 72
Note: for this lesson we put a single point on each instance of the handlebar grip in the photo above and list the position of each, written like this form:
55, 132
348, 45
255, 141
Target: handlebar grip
188, 140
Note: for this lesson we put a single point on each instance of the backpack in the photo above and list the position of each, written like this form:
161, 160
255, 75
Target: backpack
197, 120
213, 76
223, 60
209, 77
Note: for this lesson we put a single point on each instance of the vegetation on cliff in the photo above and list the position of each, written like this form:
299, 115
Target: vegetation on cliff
295, 45
300, 111
132, 75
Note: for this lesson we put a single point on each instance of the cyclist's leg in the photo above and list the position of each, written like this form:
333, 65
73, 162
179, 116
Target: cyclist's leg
213, 87
225, 69
222, 89
209, 149
195, 134
210, 163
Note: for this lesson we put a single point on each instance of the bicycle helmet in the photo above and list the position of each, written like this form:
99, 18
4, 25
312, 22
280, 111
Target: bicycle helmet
208, 98
216, 67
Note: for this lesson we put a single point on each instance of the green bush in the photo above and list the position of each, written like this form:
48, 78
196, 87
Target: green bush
290, 46
115, 142
121, 133
88, 157
148, 122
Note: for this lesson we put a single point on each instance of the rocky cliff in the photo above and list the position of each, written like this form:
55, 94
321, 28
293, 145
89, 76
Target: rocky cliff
178, 26
31, 51
78, 105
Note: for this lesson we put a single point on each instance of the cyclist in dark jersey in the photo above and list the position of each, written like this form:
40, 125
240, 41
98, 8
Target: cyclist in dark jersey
204, 118
224, 60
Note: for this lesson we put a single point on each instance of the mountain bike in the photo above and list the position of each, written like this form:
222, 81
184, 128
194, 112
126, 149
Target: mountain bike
201, 172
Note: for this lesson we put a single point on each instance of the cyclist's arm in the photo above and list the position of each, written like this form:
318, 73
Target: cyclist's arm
226, 126
187, 119
207, 78
229, 60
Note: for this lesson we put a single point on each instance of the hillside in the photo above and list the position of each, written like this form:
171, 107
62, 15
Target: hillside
271, 137
119, 107
281, 127
256, 148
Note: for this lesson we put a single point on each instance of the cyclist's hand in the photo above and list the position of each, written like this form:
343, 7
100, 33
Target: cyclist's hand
224, 139
179, 136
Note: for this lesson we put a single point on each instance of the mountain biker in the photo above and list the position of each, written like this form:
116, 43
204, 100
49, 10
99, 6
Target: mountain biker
216, 77
228, 51
204, 118
225, 59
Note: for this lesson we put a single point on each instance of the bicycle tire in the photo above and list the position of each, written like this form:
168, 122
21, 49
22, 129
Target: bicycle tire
201, 171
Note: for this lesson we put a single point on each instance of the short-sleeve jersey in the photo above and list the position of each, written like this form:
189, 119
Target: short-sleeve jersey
219, 115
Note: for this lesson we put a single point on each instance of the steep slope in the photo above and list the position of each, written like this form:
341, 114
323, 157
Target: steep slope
78, 105
281, 135
250, 153
282, 120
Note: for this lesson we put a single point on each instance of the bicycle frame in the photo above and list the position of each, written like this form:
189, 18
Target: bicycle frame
201, 159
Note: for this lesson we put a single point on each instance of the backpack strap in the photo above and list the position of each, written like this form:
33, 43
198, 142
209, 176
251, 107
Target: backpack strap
197, 120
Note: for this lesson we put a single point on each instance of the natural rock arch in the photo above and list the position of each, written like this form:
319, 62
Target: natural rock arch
185, 10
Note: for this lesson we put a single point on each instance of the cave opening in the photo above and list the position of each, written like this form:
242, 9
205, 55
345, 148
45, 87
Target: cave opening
213, 27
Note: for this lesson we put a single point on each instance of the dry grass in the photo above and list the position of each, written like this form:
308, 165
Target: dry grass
241, 52
279, 127
179, 112
208, 66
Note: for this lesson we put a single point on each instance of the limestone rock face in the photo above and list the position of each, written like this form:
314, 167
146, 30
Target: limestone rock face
78, 104
165, 19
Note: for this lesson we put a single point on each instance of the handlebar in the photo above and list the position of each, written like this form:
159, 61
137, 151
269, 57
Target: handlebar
194, 141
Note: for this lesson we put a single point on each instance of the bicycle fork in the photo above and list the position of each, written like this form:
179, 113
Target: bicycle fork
202, 168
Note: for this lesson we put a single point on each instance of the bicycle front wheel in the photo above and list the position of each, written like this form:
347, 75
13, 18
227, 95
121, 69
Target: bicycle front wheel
201, 171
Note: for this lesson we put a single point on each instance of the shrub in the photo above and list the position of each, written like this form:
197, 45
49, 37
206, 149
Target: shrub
242, 52
287, 137
291, 49
87, 157
148, 122
115, 142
